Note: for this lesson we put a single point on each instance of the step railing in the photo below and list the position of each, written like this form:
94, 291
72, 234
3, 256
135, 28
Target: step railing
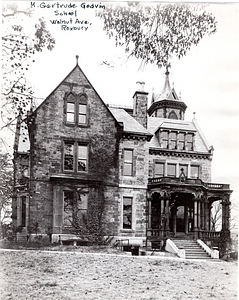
172, 248
211, 252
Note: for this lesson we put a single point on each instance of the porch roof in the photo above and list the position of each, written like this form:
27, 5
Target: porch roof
188, 183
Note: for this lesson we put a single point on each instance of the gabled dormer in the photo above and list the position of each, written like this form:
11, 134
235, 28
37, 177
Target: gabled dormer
167, 104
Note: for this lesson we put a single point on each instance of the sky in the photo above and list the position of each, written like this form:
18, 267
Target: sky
207, 78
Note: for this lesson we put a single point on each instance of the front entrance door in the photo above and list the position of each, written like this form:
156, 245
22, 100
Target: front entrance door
180, 222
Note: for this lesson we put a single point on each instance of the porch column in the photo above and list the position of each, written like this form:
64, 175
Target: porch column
186, 219
207, 216
195, 218
226, 213
174, 212
167, 214
199, 215
162, 212
199, 218
203, 216
149, 212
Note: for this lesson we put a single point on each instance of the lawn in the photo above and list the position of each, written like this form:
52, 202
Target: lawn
34, 274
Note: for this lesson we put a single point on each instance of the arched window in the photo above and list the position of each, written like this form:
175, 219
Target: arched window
172, 115
76, 110
70, 109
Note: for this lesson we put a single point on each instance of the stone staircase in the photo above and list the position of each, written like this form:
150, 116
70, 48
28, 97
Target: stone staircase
192, 249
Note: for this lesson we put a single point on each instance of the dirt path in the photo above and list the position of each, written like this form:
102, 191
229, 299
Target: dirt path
69, 275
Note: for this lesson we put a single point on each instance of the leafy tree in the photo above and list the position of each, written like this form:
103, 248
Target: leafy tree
6, 189
21, 40
157, 32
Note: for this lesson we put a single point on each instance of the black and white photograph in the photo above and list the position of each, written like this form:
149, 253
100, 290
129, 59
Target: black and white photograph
119, 142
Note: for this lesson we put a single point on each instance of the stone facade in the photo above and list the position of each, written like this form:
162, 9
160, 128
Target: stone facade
84, 168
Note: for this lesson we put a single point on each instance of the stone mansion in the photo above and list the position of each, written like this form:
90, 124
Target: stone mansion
139, 174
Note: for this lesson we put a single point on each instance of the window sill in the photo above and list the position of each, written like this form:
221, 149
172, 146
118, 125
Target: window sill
127, 231
77, 125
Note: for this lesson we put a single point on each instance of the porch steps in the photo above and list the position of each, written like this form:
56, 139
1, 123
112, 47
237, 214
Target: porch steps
192, 249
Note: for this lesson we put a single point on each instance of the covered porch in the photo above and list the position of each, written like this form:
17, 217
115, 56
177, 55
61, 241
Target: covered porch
183, 208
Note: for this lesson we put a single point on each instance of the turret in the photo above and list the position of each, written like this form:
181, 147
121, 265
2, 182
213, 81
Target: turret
167, 104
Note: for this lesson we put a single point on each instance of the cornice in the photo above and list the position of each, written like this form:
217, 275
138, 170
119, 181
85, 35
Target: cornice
176, 153
167, 103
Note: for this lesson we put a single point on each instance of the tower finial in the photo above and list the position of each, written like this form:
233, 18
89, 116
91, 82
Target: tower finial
77, 57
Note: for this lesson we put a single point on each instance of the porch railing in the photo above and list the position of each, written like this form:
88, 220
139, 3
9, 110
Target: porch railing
155, 233
190, 181
210, 234
159, 233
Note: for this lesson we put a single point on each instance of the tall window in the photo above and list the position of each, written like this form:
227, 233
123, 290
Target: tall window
70, 113
75, 157
173, 140
68, 208
195, 172
181, 141
82, 157
127, 213
69, 156
76, 110
128, 162
23, 211
190, 141
82, 114
159, 169
164, 139
75, 208
171, 170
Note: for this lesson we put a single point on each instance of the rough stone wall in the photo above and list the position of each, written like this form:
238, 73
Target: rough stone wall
134, 186
140, 107
48, 130
140, 161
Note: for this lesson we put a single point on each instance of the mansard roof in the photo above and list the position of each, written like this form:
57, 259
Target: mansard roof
155, 124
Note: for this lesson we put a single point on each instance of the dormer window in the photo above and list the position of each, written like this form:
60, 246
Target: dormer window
173, 140
190, 141
164, 142
176, 140
181, 141
76, 110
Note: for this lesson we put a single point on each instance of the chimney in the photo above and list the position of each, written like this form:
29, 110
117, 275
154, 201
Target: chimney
140, 104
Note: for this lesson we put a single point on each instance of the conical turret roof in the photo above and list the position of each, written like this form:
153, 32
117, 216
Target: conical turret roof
167, 93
